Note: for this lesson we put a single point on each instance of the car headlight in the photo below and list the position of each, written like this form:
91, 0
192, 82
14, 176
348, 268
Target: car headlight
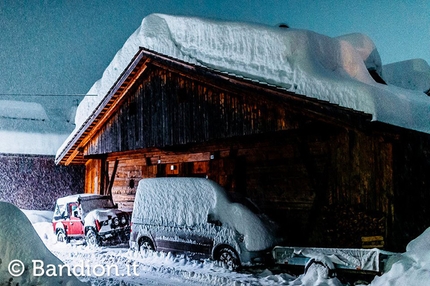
116, 221
123, 220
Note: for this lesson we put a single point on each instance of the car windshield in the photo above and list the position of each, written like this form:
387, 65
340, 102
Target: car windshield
239, 198
97, 203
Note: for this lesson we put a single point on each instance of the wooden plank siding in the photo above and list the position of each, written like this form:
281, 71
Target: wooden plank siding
291, 175
168, 110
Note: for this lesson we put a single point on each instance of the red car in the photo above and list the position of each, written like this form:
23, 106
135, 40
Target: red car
91, 217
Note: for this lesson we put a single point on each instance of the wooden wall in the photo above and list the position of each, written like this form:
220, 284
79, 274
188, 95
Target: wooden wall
168, 109
293, 176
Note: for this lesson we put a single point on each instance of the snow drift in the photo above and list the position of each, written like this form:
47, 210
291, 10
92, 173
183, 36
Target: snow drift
411, 267
305, 62
19, 240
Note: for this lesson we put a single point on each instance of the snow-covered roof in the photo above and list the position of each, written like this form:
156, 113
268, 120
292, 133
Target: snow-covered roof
411, 74
307, 63
35, 125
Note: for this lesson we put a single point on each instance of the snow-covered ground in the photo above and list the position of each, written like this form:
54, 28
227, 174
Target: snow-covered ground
118, 265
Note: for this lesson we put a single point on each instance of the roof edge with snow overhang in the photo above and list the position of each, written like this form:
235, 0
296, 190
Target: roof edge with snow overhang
72, 150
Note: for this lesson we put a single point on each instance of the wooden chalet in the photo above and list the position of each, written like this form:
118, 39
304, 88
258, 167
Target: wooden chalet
328, 175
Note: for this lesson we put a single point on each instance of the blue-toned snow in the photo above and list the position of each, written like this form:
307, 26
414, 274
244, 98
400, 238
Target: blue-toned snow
311, 64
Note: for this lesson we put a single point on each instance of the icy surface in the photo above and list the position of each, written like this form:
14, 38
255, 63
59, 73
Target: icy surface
411, 74
189, 201
318, 66
19, 240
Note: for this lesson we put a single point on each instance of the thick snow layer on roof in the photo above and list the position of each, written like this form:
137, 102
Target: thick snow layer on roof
311, 64
22, 110
19, 241
189, 201
366, 49
18, 142
411, 74
37, 128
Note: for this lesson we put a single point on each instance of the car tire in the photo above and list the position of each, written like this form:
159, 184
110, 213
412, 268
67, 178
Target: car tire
228, 258
145, 243
61, 236
92, 238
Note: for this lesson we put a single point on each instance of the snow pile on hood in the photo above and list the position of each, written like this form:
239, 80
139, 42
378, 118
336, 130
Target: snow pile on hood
189, 201
411, 267
19, 240
311, 64
100, 215
411, 74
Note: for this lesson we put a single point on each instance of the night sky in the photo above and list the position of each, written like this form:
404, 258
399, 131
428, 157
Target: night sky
63, 47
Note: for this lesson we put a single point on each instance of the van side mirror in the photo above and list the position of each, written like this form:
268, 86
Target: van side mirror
212, 220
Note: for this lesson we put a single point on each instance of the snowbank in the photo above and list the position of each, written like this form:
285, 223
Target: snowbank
189, 201
411, 267
318, 66
19, 240
411, 74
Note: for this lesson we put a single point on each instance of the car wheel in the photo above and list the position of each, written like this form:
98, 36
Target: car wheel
92, 238
145, 243
228, 258
61, 236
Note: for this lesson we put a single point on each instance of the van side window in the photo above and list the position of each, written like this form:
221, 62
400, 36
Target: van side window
213, 220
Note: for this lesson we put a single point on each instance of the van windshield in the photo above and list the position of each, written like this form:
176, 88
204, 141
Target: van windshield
98, 203
239, 198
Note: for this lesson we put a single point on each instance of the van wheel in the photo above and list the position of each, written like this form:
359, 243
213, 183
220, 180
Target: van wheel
228, 258
92, 238
145, 243
61, 236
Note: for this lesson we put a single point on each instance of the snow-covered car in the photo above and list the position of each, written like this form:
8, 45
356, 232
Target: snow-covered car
196, 216
91, 217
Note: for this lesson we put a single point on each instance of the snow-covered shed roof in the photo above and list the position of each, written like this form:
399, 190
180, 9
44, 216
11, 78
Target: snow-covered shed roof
335, 70
35, 124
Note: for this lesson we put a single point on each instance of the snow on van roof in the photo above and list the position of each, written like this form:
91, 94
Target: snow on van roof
330, 69
189, 201
175, 201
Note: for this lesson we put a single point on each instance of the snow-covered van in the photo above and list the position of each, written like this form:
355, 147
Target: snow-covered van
195, 215
91, 217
